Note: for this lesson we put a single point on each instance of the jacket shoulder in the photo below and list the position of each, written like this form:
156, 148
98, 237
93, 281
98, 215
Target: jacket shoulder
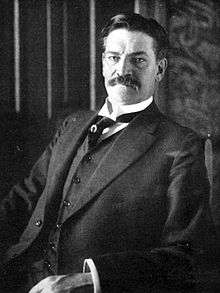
69, 122
76, 116
178, 132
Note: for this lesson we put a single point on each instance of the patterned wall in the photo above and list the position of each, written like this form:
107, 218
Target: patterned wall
194, 67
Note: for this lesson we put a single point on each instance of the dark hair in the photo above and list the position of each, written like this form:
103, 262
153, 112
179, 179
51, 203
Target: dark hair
136, 22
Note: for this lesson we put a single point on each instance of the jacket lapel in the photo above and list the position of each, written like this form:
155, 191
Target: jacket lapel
73, 138
66, 149
133, 142
57, 173
62, 159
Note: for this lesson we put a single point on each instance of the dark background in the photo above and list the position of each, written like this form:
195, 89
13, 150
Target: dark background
189, 94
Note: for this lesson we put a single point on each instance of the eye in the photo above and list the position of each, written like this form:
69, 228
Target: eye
112, 59
139, 60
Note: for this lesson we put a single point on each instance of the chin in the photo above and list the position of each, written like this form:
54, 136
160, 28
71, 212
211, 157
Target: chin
124, 100
122, 95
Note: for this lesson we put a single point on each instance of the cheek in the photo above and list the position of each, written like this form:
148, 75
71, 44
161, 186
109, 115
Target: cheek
147, 81
148, 76
105, 71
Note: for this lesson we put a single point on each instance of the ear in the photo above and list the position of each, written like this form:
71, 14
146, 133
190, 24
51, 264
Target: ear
161, 68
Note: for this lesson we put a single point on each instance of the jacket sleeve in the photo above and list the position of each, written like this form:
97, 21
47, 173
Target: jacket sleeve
17, 207
188, 232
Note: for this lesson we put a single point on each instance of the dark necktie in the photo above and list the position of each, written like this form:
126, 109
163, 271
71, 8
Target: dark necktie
96, 129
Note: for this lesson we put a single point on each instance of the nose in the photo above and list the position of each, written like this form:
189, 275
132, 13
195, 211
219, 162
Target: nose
124, 66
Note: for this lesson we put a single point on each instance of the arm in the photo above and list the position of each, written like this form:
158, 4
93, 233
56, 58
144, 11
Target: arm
16, 208
169, 265
188, 231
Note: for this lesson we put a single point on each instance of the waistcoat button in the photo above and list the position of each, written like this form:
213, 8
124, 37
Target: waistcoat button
66, 203
48, 264
76, 180
52, 245
88, 158
38, 223
58, 226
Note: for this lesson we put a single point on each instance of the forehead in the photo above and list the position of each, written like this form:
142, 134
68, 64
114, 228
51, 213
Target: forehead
130, 41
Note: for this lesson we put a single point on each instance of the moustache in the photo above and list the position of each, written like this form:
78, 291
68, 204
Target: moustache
126, 80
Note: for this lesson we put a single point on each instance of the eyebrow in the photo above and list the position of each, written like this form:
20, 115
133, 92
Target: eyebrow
139, 53
132, 54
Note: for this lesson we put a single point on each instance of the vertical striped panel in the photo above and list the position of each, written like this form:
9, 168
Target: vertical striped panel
145, 8
136, 6
65, 51
17, 56
160, 12
92, 55
49, 62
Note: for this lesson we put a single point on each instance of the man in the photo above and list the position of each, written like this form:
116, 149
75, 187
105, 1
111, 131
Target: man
131, 205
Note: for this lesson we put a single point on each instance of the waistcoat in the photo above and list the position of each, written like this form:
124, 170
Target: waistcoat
59, 255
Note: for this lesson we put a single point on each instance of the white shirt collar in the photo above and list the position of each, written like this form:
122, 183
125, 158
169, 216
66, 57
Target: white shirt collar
118, 110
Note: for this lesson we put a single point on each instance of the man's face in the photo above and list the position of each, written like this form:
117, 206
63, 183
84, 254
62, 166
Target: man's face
130, 69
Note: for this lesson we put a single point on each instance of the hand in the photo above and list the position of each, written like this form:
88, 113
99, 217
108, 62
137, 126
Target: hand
75, 283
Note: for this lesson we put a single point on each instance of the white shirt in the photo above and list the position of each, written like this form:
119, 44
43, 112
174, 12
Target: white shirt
112, 110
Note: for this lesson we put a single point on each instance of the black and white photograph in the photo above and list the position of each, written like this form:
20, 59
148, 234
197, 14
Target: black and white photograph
109, 146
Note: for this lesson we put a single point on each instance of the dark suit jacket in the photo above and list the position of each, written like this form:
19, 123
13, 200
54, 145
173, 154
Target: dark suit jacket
142, 215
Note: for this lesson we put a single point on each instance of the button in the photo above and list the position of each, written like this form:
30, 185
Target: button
58, 225
48, 264
188, 246
88, 158
38, 223
76, 180
52, 245
19, 148
66, 203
